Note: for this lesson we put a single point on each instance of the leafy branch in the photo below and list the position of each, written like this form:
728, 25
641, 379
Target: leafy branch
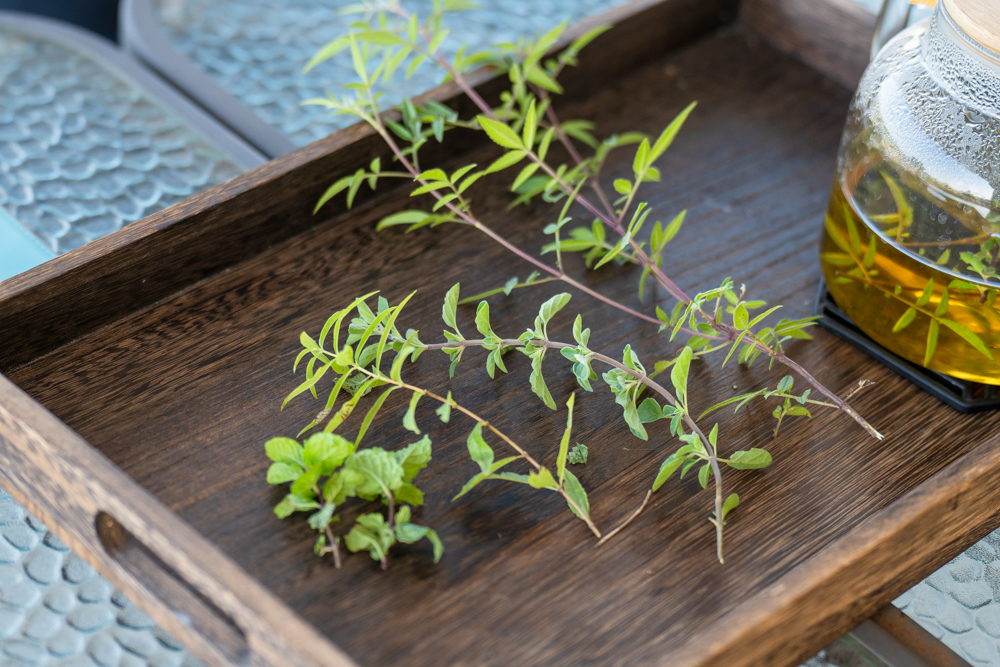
525, 125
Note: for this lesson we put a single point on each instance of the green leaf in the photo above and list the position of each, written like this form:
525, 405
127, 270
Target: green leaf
526, 173
904, 320
932, 338
667, 468
640, 163
537, 380
483, 319
279, 473
578, 494
749, 460
925, 296
731, 503
331, 49
542, 479
540, 78
338, 186
633, 421
381, 472
548, 309
479, 451
667, 136
740, 317
564, 443
372, 411
409, 419
409, 494
414, 458
970, 338
504, 161
401, 218
321, 519
500, 133
408, 533
622, 186
444, 411
679, 374
449, 311
327, 449
580, 335
703, 474
530, 126
292, 503
578, 454
942, 306
284, 450
649, 411
371, 533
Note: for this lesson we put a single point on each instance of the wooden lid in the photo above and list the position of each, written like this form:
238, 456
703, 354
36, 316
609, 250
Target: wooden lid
980, 19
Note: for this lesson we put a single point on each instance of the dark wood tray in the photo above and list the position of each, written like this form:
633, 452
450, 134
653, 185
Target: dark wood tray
146, 370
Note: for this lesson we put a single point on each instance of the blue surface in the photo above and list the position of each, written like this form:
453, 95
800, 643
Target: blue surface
20, 250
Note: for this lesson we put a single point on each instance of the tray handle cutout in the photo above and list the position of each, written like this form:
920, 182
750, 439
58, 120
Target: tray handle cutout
188, 604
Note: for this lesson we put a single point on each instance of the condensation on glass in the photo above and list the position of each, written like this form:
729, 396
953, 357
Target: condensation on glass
912, 236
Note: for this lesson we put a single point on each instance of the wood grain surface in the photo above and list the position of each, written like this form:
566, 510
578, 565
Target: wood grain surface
834, 36
185, 386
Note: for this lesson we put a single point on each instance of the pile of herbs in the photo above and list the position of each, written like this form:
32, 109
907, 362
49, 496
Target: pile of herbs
362, 350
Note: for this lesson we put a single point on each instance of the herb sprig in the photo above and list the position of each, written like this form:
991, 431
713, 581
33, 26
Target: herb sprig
525, 124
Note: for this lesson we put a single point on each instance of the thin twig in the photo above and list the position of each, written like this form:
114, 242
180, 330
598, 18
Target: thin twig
626, 521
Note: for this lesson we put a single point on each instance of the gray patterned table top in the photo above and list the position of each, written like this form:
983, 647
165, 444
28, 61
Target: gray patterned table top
256, 49
83, 152
55, 610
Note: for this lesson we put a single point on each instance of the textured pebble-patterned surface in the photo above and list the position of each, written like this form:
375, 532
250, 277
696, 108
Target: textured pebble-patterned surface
256, 49
960, 603
55, 610
83, 152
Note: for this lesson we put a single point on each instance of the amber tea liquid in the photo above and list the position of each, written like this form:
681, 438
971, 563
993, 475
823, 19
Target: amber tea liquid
917, 272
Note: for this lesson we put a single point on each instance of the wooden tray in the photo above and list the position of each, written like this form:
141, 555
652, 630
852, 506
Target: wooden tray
146, 370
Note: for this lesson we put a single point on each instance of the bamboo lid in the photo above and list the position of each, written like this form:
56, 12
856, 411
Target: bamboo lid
980, 19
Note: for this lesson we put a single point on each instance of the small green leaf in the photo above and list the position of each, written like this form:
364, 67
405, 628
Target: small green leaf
622, 186
970, 338
703, 474
505, 161
292, 503
740, 317
564, 443
530, 126
479, 451
649, 411
904, 320
578, 454
679, 373
932, 338
280, 473
667, 468
444, 411
925, 296
748, 460
731, 503
284, 450
542, 479
409, 419
414, 458
577, 494
500, 133
408, 533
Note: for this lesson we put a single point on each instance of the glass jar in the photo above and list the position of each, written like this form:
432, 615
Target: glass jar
911, 242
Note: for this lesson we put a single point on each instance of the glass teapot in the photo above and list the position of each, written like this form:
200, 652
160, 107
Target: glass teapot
911, 242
